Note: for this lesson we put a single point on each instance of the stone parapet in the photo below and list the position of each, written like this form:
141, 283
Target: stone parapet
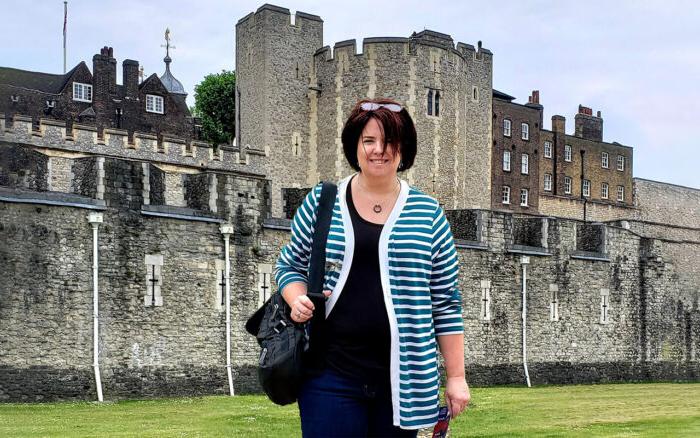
53, 134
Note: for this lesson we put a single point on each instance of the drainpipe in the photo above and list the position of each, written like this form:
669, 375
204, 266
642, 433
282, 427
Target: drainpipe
95, 219
524, 261
227, 230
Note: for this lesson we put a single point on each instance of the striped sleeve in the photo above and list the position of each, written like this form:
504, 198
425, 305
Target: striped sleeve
293, 262
446, 299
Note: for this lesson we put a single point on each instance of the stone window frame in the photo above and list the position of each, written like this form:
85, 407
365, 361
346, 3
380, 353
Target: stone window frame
505, 195
264, 294
621, 163
604, 190
621, 193
525, 131
154, 264
525, 164
524, 197
220, 295
604, 306
433, 102
567, 185
586, 188
568, 153
604, 160
506, 162
507, 127
152, 104
548, 149
475, 93
554, 302
547, 182
79, 91
485, 304
296, 144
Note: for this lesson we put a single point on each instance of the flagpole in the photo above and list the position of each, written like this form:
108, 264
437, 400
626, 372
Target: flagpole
65, 22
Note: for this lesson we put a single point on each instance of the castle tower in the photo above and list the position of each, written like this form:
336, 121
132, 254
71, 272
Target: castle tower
273, 64
446, 89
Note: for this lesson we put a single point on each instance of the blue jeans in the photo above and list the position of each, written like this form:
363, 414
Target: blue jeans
332, 405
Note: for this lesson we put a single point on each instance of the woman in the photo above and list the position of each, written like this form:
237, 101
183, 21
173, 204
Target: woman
391, 287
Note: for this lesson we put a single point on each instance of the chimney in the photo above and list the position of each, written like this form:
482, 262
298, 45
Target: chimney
587, 125
559, 124
533, 101
104, 72
130, 77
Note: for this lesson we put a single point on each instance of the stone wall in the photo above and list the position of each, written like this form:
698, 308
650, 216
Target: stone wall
567, 207
176, 348
23, 168
576, 347
667, 203
88, 140
651, 331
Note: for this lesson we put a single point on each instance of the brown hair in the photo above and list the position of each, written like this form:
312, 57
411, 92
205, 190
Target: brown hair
397, 129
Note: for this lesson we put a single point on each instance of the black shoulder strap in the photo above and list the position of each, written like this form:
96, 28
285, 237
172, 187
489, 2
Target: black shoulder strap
317, 265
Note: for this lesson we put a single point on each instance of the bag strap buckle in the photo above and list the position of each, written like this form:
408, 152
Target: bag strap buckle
281, 325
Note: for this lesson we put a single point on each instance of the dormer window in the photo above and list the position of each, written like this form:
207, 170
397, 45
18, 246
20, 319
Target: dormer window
82, 92
154, 104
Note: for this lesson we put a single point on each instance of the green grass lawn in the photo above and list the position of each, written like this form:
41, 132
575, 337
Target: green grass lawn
663, 410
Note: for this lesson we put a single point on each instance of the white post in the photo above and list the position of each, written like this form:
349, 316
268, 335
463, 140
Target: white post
227, 230
95, 219
524, 261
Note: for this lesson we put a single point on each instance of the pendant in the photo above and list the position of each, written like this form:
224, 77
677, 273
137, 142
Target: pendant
377, 208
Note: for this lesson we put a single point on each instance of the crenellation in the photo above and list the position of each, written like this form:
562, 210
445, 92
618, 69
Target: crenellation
117, 138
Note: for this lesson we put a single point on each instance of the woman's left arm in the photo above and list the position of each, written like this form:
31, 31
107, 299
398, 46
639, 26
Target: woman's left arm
447, 313
457, 394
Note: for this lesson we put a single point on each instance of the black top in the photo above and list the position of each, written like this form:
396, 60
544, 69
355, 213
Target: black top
357, 334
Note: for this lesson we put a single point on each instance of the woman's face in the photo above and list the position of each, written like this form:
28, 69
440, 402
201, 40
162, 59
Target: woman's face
373, 162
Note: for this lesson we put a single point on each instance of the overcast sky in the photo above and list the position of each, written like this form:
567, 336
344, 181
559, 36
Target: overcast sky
638, 62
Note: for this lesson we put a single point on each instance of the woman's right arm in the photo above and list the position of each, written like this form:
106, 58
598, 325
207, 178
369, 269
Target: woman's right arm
291, 270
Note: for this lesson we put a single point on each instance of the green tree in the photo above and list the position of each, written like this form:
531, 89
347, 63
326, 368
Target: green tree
215, 105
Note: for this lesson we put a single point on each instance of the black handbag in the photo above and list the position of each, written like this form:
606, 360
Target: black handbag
283, 342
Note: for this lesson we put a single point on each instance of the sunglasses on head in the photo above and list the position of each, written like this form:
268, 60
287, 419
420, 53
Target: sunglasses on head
371, 106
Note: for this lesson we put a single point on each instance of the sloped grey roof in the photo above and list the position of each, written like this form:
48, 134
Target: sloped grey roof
501, 95
171, 84
46, 82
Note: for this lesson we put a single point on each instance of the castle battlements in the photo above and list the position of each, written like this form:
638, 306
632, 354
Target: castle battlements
427, 38
171, 150
282, 16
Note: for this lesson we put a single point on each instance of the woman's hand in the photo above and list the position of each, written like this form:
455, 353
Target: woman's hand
302, 309
457, 395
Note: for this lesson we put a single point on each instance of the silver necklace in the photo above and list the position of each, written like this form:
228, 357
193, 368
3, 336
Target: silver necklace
377, 205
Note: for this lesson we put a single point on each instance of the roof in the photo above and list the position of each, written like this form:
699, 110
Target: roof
45, 82
501, 95
171, 84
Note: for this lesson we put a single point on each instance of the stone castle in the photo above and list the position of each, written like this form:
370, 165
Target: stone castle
612, 300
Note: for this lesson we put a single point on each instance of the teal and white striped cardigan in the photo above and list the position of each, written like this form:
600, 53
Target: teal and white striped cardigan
419, 278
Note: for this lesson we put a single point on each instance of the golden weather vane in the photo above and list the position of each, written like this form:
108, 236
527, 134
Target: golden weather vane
167, 42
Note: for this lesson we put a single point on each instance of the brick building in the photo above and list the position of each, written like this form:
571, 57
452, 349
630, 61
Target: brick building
582, 165
155, 105
535, 170
516, 145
